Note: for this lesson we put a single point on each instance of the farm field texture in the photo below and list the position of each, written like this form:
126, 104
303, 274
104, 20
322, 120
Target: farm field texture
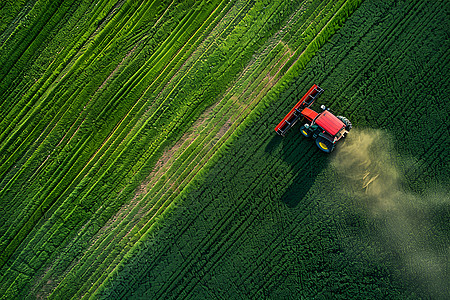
138, 157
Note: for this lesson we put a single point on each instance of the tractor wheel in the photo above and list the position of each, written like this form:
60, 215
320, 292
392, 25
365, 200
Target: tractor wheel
324, 144
348, 124
305, 132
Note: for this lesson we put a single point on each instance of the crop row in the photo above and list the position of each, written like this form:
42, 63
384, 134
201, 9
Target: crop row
204, 243
7, 177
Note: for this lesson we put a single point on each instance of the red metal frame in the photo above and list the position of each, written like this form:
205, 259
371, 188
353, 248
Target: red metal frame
306, 101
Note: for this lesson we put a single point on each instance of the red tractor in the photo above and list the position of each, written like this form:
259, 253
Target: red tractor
324, 127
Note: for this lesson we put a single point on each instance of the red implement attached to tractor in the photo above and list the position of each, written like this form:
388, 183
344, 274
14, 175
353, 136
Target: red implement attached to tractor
324, 127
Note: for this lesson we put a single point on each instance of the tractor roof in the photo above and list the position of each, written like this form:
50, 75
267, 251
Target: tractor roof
329, 122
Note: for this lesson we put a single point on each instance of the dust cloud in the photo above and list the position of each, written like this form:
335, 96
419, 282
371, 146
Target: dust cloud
414, 227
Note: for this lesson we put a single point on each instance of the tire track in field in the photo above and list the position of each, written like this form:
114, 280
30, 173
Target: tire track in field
380, 67
375, 54
354, 79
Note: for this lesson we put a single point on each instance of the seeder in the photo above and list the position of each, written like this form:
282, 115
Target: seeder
324, 127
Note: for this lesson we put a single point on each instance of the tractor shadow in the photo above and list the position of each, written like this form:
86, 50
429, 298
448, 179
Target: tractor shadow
304, 158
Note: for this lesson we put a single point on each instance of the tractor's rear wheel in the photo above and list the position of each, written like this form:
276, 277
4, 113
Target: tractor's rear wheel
348, 124
305, 132
324, 144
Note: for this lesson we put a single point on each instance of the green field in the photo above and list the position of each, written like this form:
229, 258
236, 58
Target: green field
138, 157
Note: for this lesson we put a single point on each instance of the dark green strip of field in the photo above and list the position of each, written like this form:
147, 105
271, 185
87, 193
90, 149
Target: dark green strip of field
275, 218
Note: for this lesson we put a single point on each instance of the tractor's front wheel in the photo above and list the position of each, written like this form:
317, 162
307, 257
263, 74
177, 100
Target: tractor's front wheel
324, 144
305, 132
348, 124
